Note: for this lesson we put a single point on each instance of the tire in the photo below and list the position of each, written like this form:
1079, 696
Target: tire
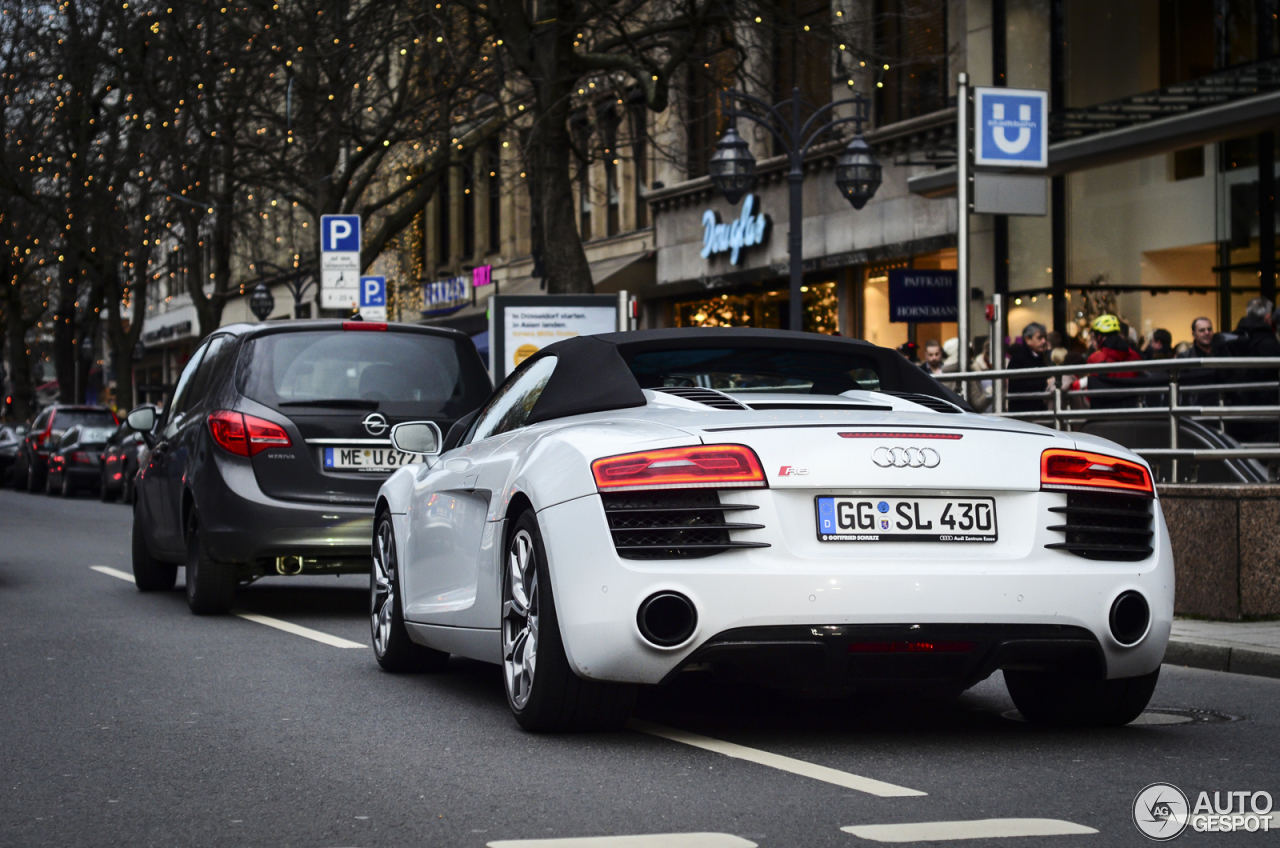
19, 478
544, 693
105, 490
35, 480
49, 488
126, 488
392, 647
149, 573
68, 488
1056, 700
211, 586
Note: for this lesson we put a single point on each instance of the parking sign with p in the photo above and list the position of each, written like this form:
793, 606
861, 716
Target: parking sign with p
340, 233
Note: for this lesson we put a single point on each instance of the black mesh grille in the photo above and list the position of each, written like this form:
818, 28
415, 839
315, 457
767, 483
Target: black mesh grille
709, 397
928, 401
673, 524
1102, 525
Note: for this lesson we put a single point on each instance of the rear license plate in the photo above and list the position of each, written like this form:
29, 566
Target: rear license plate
367, 459
883, 518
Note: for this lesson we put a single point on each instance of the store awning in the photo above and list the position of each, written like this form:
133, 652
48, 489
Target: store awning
1162, 135
632, 272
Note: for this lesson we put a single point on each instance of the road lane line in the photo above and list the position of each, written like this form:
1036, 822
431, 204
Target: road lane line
298, 630
112, 572
978, 829
648, 840
777, 761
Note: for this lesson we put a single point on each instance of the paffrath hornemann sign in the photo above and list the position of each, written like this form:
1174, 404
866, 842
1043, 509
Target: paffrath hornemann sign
922, 296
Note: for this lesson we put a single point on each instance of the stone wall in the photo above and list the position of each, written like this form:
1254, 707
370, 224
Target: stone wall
1226, 548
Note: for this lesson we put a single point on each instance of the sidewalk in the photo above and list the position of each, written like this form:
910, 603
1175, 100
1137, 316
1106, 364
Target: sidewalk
1242, 647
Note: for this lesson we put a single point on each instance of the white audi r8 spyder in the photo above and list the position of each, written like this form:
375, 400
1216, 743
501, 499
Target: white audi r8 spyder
797, 510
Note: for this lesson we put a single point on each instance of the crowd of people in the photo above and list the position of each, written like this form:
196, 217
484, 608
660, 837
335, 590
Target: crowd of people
1109, 340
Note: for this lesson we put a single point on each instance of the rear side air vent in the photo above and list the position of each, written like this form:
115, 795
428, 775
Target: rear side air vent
708, 397
1105, 526
673, 524
928, 401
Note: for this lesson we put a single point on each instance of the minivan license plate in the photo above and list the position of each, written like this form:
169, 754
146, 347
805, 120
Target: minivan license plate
367, 459
884, 518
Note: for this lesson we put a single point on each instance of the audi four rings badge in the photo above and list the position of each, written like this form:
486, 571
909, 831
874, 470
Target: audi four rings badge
905, 457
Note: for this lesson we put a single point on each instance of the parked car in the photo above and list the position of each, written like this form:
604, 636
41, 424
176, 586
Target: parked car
796, 510
120, 458
46, 430
269, 456
75, 463
10, 438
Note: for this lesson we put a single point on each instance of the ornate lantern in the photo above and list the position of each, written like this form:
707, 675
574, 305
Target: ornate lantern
732, 167
858, 172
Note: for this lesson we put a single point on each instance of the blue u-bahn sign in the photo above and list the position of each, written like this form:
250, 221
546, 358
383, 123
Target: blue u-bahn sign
1010, 127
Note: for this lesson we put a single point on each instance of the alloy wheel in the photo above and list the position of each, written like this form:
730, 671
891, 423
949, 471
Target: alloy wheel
520, 619
382, 589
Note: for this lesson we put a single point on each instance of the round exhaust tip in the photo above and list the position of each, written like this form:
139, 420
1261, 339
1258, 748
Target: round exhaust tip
1130, 618
667, 619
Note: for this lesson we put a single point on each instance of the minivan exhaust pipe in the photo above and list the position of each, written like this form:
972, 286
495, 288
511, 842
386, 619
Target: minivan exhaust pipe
289, 566
667, 619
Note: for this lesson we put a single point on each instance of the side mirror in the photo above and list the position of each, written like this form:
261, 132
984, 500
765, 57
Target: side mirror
420, 437
142, 419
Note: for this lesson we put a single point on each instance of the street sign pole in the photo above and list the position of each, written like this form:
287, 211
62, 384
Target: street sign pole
962, 223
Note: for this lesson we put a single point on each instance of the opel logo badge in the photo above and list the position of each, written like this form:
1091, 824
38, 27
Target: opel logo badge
905, 457
376, 424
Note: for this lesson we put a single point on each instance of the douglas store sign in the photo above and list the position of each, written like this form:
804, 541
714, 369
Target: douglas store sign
747, 231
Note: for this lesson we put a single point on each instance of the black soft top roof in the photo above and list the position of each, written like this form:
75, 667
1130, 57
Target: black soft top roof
593, 374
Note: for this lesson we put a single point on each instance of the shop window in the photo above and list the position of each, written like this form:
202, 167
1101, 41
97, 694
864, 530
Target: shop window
444, 211
911, 49
803, 52
609, 130
640, 158
764, 309
493, 159
711, 70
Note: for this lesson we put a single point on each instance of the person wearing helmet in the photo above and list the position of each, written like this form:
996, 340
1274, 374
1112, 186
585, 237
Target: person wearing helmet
1109, 344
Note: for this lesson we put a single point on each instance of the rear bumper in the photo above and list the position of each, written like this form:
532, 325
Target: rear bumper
796, 583
240, 524
949, 657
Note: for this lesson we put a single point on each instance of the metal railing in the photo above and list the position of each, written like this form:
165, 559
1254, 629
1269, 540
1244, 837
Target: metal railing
1064, 406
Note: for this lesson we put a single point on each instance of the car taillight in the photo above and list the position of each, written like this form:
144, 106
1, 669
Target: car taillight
245, 435
81, 457
1073, 469
703, 466
375, 326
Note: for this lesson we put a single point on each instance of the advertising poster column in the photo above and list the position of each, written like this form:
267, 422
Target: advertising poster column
521, 326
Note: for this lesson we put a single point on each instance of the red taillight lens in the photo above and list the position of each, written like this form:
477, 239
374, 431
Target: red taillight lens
374, 326
1072, 469
703, 466
245, 435
81, 457
933, 647
227, 429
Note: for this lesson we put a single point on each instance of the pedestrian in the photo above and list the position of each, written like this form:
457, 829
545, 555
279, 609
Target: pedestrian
1201, 340
1110, 343
1255, 336
1159, 345
910, 350
951, 355
1030, 351
932, 364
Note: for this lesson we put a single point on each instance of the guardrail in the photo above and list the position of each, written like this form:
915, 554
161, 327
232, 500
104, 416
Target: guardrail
1062, 407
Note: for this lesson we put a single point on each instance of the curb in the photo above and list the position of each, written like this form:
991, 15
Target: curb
1251, 661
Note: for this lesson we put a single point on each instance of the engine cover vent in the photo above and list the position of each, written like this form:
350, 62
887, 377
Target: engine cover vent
928, 401
708, 397
673, 524
1105, 526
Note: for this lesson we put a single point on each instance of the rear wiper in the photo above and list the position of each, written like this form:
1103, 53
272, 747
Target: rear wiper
338, 403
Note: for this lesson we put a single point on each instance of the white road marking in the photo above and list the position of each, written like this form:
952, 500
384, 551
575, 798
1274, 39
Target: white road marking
295, 629
777, 761
978, 829
649, 840
298, 630
112, 572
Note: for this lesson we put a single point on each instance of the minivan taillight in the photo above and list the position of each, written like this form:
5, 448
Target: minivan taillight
245, 435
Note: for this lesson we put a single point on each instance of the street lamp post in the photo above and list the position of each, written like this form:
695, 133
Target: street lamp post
733, 168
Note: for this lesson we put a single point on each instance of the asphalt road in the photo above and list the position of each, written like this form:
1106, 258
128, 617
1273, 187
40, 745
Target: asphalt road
125, 720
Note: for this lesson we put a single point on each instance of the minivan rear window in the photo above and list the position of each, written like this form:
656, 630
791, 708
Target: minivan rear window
65, 419
400, 373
